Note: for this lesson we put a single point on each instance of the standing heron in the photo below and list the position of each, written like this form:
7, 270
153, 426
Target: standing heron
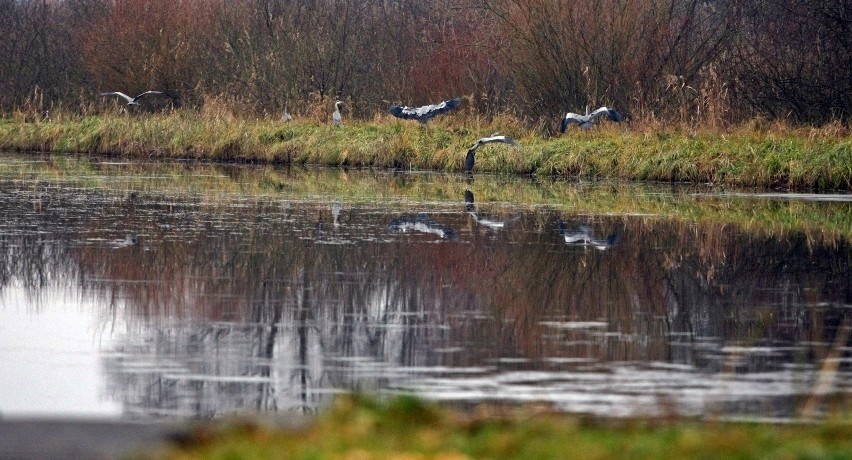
425, 113
131, 101
286, 117
494, 137
586, 121
336, 118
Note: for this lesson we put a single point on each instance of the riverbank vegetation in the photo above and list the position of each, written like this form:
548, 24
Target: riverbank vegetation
754, 155
407, 428
732, 92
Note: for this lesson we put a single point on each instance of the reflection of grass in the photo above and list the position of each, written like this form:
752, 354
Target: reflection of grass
408, 428
805, 158
820, 220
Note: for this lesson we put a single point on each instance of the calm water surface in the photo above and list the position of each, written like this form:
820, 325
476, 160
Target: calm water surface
139, 290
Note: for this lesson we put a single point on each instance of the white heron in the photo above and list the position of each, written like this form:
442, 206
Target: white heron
425, 113
336, 118
586, 121
494, 137
131, 101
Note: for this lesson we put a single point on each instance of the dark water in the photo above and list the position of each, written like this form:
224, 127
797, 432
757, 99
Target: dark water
124, 294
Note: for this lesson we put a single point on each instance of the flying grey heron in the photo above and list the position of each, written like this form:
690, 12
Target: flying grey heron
425, 113
131, 101
586, 121
336, 118
494, 137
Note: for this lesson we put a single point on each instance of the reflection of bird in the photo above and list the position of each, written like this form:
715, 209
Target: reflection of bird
336, 118
582, 236
586, 121
425, 113
131, 101
129, 240
484, 221
421, 223
468, 201
494, 137
335, 213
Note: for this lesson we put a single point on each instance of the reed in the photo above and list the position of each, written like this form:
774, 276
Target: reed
750, 155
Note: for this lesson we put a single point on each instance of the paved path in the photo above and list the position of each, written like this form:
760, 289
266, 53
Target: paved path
82, 439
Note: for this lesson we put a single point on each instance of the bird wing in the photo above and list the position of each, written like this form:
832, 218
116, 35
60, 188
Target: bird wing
426, 111
402, 112
498, 138
570, 118
120, 94
607, 112
145, 94
445, 106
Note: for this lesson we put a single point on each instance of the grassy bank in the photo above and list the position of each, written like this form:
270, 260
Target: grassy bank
407, 428
751, 156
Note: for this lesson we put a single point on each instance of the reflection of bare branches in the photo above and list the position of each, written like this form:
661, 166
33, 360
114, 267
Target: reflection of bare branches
243, 305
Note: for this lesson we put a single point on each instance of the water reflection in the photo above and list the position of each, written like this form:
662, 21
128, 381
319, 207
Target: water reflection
422, 223
258, 302
488, 222
583, 236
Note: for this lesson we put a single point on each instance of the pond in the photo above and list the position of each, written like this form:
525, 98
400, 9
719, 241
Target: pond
174, 289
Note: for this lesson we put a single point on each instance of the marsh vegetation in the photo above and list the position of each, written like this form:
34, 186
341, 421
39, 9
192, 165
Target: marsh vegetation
781, 157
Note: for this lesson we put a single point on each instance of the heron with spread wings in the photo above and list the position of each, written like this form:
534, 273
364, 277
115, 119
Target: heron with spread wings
494, 137
425, 113
131, 101
588, 120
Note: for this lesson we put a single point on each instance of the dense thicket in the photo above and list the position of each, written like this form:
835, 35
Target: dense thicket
695, 61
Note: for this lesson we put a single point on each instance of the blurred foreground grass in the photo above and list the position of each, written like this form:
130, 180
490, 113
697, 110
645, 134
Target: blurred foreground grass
407, 428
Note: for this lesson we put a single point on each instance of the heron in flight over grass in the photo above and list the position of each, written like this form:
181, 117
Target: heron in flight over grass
586, 121
425, 113
336, 118
131, 101
494, 137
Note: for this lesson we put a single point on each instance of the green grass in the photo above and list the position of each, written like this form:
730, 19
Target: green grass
406, 428
782, 157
